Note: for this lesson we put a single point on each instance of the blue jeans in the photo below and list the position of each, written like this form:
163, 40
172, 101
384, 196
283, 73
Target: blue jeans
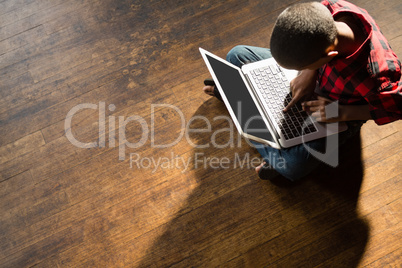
295, 162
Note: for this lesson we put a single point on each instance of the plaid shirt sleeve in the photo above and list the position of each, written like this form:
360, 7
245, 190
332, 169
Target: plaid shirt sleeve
372, 76
386, 104
385, 101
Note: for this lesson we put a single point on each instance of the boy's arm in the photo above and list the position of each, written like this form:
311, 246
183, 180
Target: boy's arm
302, 86
354, 112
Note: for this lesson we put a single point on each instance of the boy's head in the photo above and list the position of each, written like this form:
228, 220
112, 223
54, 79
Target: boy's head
302, 35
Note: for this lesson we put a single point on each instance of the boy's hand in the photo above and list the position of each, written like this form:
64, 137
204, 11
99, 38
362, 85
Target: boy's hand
324, 112
319, 110
302, 87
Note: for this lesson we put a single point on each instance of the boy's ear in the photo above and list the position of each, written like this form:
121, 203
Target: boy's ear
332, 53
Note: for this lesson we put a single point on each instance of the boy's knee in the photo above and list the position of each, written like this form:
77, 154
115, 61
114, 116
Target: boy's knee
297, 168
294, 175
237, 54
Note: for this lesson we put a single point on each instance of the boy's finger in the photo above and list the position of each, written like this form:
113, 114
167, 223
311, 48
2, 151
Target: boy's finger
290, 104
317, 116
312, 108
310, 104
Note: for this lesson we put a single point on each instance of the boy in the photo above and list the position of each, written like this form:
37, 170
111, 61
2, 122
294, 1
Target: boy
343, 57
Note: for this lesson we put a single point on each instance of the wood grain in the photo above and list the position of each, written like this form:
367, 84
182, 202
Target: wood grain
65, 206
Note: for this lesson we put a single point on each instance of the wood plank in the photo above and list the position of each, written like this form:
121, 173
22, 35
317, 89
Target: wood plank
66, 206
129, 234
34, 78
66, 149
382, 221
49, 11
381, 171
280, 250
390, 260
390, 145
20, 40
371, 133
13, 199
20, 13
75, 197
396, 45
16, 183
81, 79
21, 146
7, 6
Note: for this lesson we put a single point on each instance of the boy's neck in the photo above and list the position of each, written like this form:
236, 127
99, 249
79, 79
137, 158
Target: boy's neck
350, 36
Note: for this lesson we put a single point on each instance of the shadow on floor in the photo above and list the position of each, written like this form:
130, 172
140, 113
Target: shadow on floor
234, 219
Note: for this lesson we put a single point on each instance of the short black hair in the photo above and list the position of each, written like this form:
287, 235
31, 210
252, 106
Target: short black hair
301, 34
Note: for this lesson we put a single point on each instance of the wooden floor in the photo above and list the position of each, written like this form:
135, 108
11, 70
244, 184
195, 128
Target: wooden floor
132, 72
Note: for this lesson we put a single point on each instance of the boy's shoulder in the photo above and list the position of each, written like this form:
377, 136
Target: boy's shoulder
340, 5
382, 62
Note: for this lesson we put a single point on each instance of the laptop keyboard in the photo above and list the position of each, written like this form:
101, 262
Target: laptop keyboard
274, 89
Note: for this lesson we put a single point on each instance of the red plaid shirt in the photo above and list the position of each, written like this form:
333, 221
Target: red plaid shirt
371, 75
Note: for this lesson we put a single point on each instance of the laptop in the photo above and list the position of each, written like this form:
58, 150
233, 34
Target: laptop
255, 96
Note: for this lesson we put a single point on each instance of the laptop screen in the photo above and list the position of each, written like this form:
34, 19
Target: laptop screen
241, 102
